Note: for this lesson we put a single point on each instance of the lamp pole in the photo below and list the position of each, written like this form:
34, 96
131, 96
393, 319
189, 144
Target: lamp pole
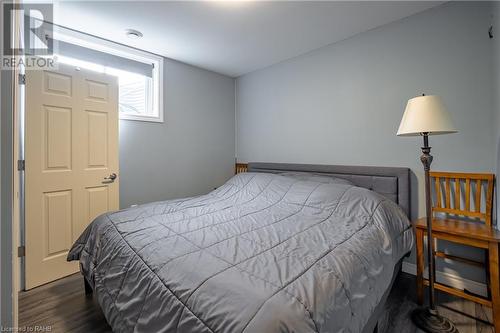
429, 319
426, 160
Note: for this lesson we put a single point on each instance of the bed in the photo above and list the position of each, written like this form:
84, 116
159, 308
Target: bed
280, 248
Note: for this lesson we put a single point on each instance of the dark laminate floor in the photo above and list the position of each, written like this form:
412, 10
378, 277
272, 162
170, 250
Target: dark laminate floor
63, 306
467, 316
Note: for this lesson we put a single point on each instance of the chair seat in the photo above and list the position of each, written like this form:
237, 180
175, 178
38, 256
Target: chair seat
471, 230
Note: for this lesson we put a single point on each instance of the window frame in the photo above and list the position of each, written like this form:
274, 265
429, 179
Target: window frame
127, 52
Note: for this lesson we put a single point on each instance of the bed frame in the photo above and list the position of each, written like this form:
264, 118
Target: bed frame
392, 182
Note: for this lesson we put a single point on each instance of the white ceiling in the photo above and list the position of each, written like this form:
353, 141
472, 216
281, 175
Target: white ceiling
232, 37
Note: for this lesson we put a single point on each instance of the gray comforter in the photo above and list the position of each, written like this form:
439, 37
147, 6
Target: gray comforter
262, 253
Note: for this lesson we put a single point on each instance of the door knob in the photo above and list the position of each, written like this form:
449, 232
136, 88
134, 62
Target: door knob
111, 178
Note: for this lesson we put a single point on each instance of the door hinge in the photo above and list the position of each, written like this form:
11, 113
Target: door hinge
21, 165
21, 251
22, 79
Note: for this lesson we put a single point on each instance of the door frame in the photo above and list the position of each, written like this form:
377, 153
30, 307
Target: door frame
17, 192
17, 198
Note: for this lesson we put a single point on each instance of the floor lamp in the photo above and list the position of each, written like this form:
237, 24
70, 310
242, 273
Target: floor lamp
424, 116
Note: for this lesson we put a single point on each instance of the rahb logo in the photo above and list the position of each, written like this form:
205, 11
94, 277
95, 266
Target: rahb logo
26, 35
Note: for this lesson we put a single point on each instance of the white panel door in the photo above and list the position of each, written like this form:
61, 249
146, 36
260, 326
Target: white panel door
71, 151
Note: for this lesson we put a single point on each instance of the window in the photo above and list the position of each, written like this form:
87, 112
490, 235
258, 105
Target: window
135, 94
140, 74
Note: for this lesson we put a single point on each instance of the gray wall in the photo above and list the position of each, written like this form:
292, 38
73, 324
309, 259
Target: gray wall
192, 151
342, 104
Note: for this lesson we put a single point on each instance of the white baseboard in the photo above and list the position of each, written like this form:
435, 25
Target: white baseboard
451, 280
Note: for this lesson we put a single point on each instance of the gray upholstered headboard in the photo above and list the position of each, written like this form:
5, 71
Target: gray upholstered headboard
391, 182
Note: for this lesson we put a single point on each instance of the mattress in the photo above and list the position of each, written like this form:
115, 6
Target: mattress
262, 253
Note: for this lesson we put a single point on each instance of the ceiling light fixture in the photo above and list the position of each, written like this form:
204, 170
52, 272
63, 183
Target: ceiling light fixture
133, 34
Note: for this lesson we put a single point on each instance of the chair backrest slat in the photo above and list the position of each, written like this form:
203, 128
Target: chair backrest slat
473, 182
478, 195
448, 192
438, 192
467, 194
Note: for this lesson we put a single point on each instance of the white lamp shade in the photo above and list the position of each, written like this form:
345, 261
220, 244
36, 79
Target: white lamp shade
425, 114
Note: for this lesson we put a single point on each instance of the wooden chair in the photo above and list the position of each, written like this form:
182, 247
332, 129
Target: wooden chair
460, 215
240, 167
